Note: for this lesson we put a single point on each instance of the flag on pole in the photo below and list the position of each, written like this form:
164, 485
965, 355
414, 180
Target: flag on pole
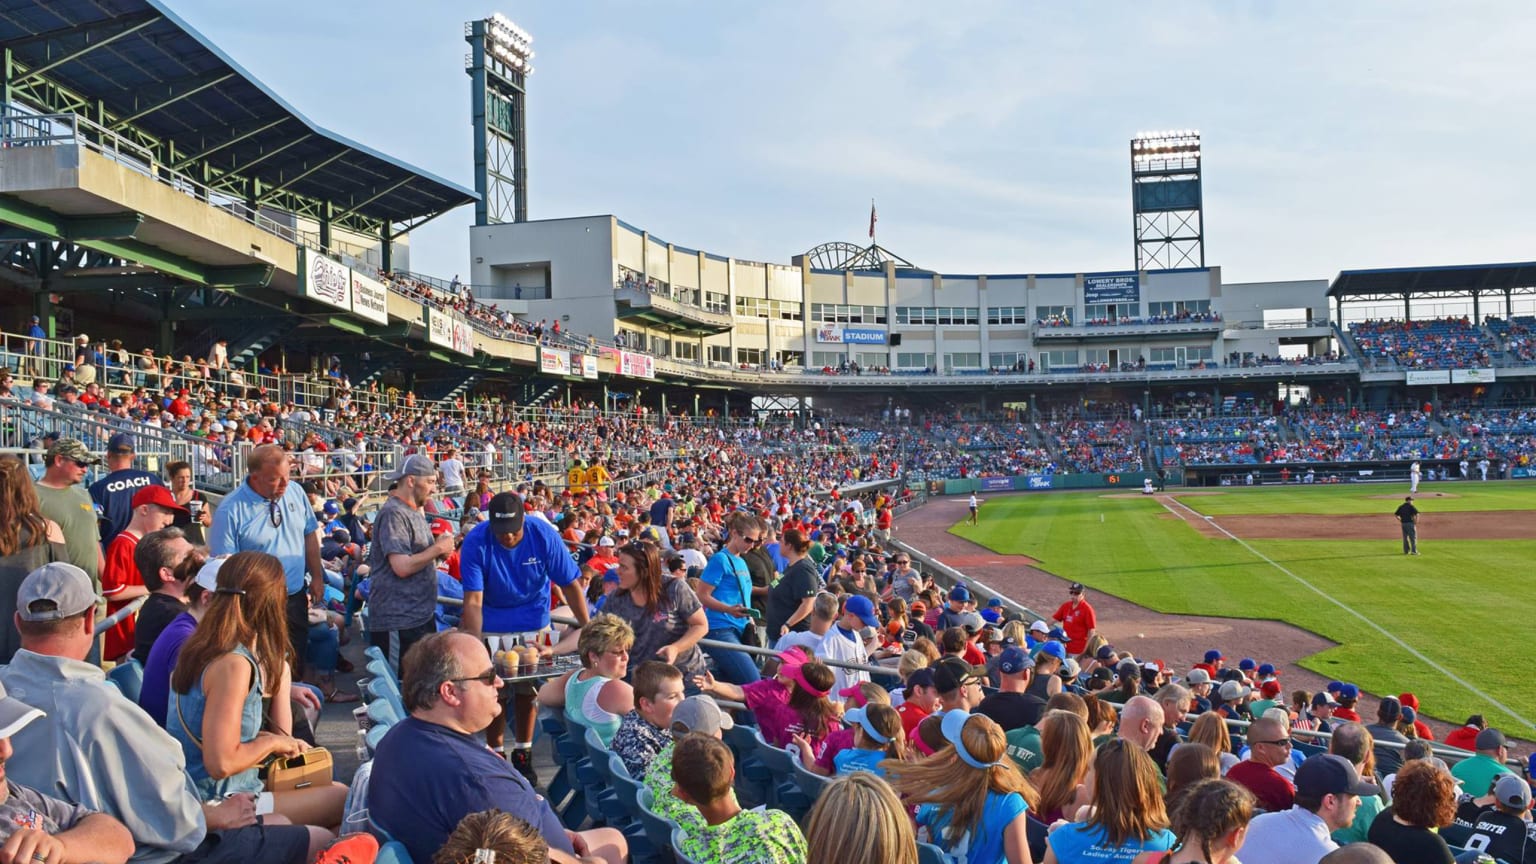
872, 218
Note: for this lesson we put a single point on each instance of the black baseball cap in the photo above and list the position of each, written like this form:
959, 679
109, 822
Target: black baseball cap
506, 513
952, 673
1327, 774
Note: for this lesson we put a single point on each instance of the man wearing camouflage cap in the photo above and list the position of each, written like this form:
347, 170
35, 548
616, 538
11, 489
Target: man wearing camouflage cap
64, 501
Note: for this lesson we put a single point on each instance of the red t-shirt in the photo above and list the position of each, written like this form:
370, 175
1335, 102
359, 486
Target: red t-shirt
1274, 792
119, 573
1346, 714
911, 715
1077, 621
1464, 737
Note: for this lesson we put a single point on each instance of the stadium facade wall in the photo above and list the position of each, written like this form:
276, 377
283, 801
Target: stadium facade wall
970, 321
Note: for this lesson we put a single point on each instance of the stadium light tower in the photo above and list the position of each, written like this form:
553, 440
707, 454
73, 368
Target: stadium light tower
1166, 200
499, 63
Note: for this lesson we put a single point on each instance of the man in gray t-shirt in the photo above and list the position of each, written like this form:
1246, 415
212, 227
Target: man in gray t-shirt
402, 563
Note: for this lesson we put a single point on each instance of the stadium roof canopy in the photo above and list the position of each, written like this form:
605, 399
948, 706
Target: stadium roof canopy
1453, 279
139, 70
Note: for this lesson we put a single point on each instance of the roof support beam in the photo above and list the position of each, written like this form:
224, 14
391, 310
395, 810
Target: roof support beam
241, 136
292, 180
176, 91
247, 166
365, 202
132, 28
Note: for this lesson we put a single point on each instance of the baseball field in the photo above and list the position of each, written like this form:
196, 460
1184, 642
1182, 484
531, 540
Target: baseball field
1452, 624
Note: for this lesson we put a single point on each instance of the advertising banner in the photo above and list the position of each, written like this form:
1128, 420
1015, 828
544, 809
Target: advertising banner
996, 484
554, 362
325, 280
370, 299
1124, 288
1472, 376
589, 367
636, 365
463, 337
1040, 481
439, 328
1439, 376
850, 335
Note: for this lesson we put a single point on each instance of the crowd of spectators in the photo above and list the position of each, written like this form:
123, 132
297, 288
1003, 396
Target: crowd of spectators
1518, 335
1103, 446
1441, 343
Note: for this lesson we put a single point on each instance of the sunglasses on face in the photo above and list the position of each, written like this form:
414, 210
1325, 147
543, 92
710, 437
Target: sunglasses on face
488, 678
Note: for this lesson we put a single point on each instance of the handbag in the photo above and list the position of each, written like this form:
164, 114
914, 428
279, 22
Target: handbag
313, 767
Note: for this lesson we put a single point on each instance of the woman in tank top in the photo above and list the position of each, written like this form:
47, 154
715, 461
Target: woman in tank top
596, 696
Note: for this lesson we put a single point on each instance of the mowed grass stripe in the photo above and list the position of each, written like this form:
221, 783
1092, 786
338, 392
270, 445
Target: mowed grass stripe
1459, 604
1364, 498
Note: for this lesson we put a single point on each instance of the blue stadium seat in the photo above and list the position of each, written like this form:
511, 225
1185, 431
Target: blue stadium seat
807, 781
658, 828
927, 853
129, 678
784, 794
393, 852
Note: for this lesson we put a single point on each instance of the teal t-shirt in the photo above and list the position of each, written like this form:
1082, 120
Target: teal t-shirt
1080, 844
984, 844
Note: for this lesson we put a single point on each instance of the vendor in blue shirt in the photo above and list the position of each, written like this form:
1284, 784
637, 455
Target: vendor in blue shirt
725, 590
507, 565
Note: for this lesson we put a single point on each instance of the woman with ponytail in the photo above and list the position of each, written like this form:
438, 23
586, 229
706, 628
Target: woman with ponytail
971, 797
229, 704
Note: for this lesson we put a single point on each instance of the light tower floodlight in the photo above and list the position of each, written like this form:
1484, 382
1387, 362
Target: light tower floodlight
1166, 200
499, 63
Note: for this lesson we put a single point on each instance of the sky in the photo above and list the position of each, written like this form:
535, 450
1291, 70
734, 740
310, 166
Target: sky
992, 134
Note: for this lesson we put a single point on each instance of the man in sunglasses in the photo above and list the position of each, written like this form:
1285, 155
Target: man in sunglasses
62, 499
270, 513
1269, 745
431, 770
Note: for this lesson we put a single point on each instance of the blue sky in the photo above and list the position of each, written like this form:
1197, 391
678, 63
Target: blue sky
992, 134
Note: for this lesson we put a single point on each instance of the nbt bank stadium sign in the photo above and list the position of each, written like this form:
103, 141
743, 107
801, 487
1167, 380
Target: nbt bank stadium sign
850, 336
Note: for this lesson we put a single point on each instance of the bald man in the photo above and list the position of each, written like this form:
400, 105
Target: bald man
1269, 745
270, 513
1141, 721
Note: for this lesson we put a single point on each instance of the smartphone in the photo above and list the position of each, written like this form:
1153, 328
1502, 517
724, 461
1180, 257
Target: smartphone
264, 802
754, 614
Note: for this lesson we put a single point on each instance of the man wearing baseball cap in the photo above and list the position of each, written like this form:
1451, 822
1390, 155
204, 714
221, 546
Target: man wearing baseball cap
843, 643
694, 714
1328, 791
508, 564
62, 500
1477, 772
1319, 717
1011, 706
1199, 683
402, 562
1077, 617
121, 584
98, 750
1501, 830
958, 683
114, 492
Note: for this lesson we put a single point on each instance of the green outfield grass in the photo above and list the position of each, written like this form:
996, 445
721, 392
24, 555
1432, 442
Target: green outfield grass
1464, 604
1335, 500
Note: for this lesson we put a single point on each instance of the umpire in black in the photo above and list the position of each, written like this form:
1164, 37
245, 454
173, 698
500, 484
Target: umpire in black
1408, 516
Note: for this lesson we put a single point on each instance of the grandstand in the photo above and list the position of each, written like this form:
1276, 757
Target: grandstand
192, 262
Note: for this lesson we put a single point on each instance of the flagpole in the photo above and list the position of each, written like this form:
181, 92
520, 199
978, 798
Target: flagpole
872, 220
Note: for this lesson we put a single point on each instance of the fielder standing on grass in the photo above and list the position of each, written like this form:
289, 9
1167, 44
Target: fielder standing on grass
1408, 516
975, 504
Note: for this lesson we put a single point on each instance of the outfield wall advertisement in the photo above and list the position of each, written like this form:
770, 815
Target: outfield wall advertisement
1438, 376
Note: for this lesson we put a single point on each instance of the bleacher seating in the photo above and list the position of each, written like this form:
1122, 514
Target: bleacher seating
1446, 343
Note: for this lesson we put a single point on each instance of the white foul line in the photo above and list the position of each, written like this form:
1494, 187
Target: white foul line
1339, 603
